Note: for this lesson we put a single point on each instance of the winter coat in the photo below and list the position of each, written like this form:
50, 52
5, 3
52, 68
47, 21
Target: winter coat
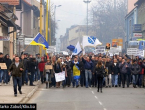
88, 65
135, 69
142, 68
41, 65
7, 61
58, 68
128, 68
123, 69
99, 71
115, 69
68, 68
51, 71
109, 66
16, 70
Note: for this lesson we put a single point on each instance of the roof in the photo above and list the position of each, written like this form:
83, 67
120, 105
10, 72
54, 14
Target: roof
138, 2
130, 12
10, 2
25, 1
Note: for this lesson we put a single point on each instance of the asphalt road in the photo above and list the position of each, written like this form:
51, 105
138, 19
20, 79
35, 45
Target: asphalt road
89, 99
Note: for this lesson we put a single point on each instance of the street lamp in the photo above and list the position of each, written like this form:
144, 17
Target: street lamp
87, 2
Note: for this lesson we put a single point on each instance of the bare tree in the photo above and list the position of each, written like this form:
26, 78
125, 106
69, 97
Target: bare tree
108, 19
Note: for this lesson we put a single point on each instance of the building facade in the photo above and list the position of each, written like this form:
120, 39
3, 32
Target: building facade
141, 15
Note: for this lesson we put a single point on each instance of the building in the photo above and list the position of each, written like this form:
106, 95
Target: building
131, 5
28, 20
141, 16
8, 27
131, 19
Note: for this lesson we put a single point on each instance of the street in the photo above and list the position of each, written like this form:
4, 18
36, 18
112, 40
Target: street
89, 99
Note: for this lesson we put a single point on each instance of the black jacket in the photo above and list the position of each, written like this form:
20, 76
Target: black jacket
100, 72
115, 69
68, 66
57, 68
7, 61
109, 66
82, 68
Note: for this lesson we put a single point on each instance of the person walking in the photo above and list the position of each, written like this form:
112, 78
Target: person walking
58, 69
135, 70
88, 64
48, 73
75, 65
17, 69
68, 68
41, 66
100, 71
8, 63
115, 73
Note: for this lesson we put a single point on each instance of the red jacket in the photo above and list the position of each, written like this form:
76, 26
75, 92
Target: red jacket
41, 65
142, 69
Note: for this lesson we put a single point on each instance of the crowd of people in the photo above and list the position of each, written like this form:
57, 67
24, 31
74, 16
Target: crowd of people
83, 70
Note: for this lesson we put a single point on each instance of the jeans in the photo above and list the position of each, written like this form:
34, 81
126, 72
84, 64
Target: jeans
108, 80
64, 82
82, 78
42, 77
1, 75
75, 82
68, 79
128, 76
38, 74
135, 79
123, 79
31, 78
94, 80
140, 78
6, 76
17, 81
114, 79
88, 74
100, 80
35, 76
119, 79
26, 76
48, 77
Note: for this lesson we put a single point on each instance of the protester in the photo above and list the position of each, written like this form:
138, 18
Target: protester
2, 71
48, 73
65, 71
41, 66
58, 69
99, 70
88, 64
17, 69
115, 73
75, 65
8, 63
68, 68
135, 70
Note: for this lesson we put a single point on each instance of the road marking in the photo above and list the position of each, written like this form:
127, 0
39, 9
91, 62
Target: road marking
92, 92
100, 103
105, 109
96, 97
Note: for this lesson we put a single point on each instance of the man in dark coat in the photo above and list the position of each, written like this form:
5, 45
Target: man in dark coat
8, 63
17, 69
1, 70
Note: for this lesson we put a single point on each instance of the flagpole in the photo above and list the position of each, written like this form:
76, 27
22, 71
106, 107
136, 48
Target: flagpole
47, 23
40, 49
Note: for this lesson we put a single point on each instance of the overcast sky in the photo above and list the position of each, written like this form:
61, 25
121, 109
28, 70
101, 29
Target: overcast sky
72, 12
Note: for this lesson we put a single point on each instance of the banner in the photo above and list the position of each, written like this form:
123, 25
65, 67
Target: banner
60, 76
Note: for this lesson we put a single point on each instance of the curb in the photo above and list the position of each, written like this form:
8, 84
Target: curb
30, 94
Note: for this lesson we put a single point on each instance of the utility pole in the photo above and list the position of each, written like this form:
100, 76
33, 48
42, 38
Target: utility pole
40, 48
87, 2
46, 23
49, 24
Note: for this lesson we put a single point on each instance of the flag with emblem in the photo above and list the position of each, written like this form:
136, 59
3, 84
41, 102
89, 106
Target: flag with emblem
90, 41
40, 40
77, 49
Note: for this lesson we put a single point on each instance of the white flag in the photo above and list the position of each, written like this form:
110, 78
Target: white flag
77, 49
90, 41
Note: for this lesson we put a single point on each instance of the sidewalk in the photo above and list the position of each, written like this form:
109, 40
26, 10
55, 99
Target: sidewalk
7, 93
